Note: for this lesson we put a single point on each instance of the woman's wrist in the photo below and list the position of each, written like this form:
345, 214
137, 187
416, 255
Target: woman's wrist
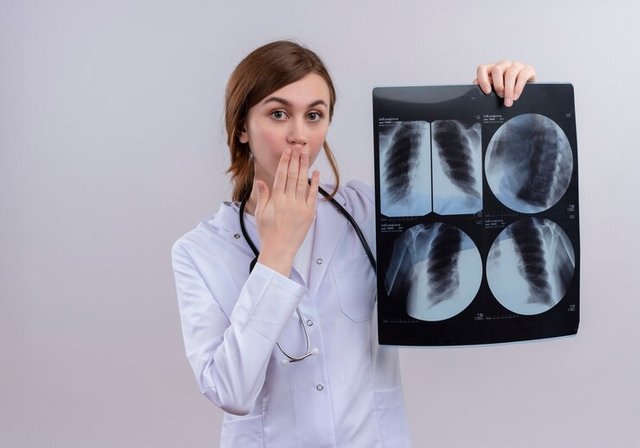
279, 260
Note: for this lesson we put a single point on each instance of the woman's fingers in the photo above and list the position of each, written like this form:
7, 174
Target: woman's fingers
527, 74
292, 173
291, 180
296, 177
280, 179
510, 76
515, 77
506, 77
312, 196
497, 76
302, 181
482, 78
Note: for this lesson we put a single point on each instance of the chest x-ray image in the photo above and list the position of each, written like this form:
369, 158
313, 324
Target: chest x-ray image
404, 152
427, 167
529, 163
436, 268
457, 167
477, 226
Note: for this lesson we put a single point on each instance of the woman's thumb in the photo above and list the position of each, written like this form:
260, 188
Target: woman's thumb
263, 194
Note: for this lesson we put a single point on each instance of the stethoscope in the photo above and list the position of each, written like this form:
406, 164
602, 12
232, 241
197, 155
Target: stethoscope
309, 351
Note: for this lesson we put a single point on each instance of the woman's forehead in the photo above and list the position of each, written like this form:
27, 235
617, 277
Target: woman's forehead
311, 90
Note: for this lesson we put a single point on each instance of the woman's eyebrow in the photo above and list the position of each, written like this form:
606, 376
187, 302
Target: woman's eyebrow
275, 99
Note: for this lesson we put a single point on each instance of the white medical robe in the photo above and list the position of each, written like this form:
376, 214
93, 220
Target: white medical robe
347, 395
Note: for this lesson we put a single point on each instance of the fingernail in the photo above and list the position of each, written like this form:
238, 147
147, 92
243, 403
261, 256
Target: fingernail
508, 102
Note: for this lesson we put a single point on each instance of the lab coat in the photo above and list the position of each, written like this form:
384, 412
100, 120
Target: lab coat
347, 395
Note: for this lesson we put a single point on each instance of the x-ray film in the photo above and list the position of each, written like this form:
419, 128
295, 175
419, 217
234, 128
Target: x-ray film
477, 215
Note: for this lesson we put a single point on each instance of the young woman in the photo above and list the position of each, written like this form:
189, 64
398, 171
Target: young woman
285, 341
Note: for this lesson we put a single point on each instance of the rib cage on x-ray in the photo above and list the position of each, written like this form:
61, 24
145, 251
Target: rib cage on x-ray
457, 167
436, 268
404, 149
530, 266
529, 163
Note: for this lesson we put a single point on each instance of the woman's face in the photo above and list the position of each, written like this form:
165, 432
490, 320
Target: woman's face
295, 116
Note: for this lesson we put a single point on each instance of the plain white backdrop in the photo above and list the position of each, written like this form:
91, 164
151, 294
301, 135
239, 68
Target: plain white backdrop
112, 146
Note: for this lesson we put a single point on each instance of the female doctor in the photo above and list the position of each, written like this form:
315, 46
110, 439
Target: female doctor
276, 291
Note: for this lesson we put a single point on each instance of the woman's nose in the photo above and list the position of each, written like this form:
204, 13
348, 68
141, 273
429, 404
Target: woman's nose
297, 134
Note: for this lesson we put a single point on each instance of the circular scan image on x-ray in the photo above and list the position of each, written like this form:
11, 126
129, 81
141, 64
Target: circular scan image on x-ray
436, 268
530, 266
529, 163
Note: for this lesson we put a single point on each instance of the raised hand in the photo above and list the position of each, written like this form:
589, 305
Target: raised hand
507, 78
284, 214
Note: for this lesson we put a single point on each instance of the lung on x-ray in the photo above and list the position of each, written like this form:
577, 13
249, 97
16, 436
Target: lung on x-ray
448, 149
477, 215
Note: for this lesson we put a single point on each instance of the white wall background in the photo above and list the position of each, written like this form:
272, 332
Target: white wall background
112, 146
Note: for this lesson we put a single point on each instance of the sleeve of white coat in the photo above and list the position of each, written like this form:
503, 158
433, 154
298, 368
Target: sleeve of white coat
229, 357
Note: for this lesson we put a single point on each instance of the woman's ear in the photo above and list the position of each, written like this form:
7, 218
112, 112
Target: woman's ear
244, 135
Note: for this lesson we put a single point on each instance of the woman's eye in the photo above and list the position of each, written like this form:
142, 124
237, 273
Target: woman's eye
314, 116
278, 115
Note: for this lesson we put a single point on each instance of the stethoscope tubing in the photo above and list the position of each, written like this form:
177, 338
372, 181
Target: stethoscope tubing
309, 351
338, 207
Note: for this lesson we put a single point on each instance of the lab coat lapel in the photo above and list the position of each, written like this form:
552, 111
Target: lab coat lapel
330, 227
227, 223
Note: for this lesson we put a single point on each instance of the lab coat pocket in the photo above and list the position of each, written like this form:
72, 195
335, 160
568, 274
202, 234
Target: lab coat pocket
390, 415
242, 432
356, 285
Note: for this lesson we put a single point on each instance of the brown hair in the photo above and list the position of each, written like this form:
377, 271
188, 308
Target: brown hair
265, 70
